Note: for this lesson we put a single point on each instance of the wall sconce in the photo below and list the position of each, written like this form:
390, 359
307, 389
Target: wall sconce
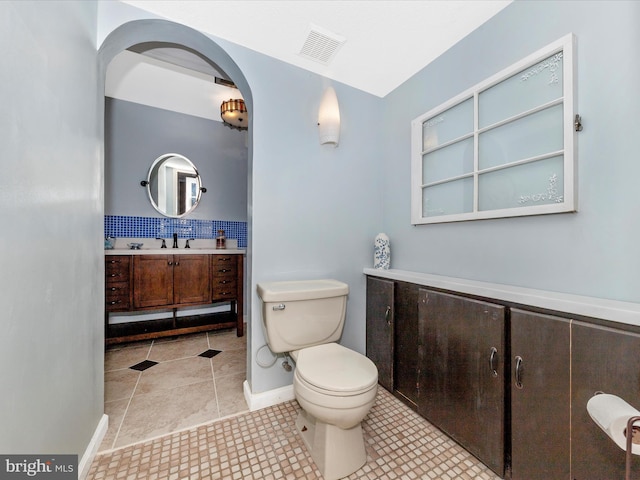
234, 114
329, 118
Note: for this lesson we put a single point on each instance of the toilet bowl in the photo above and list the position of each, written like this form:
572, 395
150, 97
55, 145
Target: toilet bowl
335, 387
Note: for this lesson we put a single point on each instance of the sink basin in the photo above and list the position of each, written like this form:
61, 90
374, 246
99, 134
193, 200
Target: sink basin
172, 251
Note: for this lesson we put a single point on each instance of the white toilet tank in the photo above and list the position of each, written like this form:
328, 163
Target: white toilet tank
300, 314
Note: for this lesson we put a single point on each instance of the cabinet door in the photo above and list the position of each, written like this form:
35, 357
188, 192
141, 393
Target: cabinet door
152, 280
406, 343
540, 396
380, 328
191, 279
602, 360
462, 372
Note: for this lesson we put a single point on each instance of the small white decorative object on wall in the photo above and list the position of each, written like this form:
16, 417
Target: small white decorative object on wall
382, 252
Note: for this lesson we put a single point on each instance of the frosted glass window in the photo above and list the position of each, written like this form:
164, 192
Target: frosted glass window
451, 161
536, 183
530, 136
448, 198
503, 148
536, 85
449, 125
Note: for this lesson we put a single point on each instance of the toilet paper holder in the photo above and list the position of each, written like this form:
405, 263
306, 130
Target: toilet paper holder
602, 418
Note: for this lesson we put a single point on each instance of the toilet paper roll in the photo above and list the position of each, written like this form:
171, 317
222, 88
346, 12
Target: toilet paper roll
611, 414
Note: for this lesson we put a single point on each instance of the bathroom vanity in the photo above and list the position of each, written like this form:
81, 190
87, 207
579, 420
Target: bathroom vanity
505, 371
172, 280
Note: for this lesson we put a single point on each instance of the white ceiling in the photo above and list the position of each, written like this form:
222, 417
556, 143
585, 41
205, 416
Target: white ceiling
386, 42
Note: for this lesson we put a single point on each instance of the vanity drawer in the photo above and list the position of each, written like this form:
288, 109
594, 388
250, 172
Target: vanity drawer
117, 296
224, 265
224, 270
117, 268
225, 289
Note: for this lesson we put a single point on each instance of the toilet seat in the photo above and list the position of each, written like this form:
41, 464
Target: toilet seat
332, 369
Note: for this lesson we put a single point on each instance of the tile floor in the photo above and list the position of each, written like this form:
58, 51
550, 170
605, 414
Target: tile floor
264, 445
175, 383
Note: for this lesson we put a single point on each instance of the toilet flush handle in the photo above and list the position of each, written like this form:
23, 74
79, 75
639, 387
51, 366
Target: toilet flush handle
280, 306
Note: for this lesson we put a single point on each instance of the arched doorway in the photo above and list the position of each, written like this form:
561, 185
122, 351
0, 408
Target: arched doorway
169, 33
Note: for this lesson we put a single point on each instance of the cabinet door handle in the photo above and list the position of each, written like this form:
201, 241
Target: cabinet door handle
177, 263
169, 263
492, 359
387, 316
518, 372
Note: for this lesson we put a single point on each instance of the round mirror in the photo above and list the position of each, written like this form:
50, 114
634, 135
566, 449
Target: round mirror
173, 185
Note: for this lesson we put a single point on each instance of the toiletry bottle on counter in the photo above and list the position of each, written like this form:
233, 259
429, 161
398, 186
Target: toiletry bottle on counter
221, 240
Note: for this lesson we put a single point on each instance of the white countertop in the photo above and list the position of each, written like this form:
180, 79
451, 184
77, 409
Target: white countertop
613, 310
175, 251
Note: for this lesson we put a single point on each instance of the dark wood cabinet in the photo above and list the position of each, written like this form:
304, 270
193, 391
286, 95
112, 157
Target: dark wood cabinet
137, 283
225, 273
191, 279
227, 277
509, 384
118, 283
152, 281
461, 387
380, 328
407, 343
540, 396
602, 360
163, 280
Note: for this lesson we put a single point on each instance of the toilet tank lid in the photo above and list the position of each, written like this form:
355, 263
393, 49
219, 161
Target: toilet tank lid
301, 290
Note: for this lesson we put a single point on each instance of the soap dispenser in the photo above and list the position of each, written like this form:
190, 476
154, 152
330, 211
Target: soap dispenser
221, 240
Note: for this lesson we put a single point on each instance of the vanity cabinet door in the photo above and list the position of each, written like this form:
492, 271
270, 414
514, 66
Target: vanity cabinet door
152, 280
191, 279
540, 396
602, 360
407, 348
379, 336
462, 372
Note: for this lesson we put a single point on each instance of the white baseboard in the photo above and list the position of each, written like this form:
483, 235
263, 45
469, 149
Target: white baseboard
92, 449
256, 401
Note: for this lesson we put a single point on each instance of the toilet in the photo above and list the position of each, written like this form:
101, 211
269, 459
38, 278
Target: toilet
335, 386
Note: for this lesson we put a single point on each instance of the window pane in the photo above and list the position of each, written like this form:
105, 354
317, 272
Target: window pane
448, 198
447, 162
528, 137
535, 183
449, 125
532, 87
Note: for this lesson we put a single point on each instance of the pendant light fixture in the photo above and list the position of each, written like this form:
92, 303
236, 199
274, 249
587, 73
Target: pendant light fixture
234, 114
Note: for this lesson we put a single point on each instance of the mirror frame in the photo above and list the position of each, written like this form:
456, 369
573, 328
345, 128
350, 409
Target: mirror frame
147, 183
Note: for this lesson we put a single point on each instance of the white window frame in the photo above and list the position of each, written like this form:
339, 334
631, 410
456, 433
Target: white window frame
566, 45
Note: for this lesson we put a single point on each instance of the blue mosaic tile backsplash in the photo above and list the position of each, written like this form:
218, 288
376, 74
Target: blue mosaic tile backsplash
120, 226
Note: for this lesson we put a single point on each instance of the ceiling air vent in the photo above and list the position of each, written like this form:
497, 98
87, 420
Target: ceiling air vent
321, 45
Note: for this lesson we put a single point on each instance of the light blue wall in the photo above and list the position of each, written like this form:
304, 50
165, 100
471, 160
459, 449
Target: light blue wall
593, 252
135, 135
52, 282
313, 210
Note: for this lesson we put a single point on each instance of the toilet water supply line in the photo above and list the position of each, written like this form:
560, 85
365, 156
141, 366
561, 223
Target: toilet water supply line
285, 364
